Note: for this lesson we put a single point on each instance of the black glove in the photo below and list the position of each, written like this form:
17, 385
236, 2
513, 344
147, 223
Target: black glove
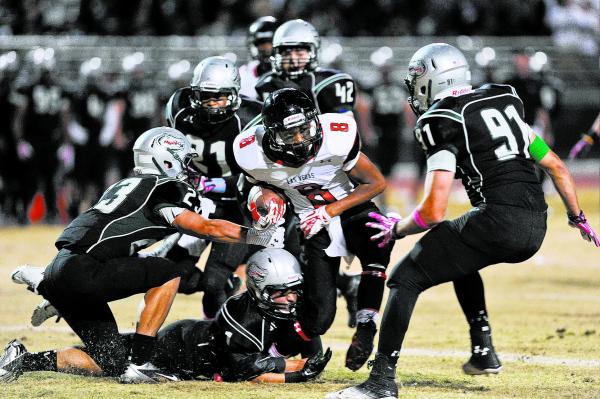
315, 365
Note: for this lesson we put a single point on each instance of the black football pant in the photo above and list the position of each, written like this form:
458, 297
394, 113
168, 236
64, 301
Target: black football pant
321, 271
80, 287
455, 250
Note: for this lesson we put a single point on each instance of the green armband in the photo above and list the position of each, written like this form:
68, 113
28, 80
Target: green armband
538, 148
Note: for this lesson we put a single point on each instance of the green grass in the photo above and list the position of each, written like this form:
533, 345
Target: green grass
545, 308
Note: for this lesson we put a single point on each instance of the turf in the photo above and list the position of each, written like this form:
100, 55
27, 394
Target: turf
545, 315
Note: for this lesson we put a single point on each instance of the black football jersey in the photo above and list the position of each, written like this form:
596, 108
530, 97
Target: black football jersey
242, 335
485, 130
212, 142
45, 100
126, 218
142, 109
331, 90
89, 107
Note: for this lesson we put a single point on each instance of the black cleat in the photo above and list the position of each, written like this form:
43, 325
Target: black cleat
381, 384
10, 362
362, 345
484, 359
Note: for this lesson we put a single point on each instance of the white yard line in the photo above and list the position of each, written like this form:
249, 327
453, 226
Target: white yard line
417, 352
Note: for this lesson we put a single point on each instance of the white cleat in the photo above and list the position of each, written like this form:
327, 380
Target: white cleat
42, 312
28, 275
10, 361
147, 373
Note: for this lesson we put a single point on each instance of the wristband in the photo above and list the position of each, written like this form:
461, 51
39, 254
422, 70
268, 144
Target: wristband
294, 376
419, 220
590, 137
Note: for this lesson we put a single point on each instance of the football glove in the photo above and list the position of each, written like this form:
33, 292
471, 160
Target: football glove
315, 365
312, 222
271, 237
387, 226
587, 232
215, 185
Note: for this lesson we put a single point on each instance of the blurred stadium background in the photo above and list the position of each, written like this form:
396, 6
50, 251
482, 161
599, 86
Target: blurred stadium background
143, 50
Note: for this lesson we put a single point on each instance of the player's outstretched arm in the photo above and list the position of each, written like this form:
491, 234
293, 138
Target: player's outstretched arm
298, 370
224, 231
428, 213
564, 184
587, 140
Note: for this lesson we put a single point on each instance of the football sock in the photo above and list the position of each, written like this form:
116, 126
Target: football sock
142, 348
39, 361
370, 289
398, 310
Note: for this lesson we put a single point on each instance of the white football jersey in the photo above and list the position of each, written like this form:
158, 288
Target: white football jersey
248, 79
322, 180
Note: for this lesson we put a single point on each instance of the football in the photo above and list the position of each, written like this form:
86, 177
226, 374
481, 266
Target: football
266, 206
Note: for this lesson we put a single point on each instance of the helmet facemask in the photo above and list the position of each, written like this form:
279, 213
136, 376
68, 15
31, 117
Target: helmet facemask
271, 304
204, 102
284, 63
297, 139
418, 89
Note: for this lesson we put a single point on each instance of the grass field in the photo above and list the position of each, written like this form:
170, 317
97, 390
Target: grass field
545, 314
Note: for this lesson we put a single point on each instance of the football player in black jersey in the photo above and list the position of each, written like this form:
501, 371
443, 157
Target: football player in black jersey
251, 334
95, 262
248, 340
211, 113
294, 64
478, 135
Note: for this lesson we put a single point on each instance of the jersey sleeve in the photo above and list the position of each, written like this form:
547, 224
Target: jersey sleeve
336, 93
178, 111
341, 137
439, 133
172, 197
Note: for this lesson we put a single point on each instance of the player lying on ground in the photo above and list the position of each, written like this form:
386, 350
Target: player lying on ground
479, 135
247, 341
96, 263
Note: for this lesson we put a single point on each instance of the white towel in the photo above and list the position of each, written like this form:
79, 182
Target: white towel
338, 241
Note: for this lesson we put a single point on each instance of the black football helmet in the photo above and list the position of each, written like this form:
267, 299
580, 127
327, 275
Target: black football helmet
261, 31
293, 133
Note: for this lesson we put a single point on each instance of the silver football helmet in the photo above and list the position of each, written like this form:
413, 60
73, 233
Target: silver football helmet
272, 270
215, 77
435, 71
163, 151
294, 34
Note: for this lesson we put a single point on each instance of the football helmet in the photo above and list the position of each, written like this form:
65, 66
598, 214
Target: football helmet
261, 31
436, 71
273, 270
215, 77
295, 34
293, 133
166, 152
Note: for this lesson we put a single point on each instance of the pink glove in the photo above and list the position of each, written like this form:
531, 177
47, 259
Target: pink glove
24, 150
580, 222
314, 221
207, 185
386, 224
581, 147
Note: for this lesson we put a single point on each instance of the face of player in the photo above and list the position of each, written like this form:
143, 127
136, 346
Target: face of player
295, 59
264, 49
298, 134
288, 297
216, 101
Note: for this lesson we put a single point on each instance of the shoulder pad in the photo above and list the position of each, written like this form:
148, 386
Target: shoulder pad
246, 149
176, 104
494, 89
340, 133
446, 108
327, 77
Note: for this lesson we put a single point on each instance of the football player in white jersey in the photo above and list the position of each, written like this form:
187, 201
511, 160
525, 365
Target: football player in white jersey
316, 161
260, 46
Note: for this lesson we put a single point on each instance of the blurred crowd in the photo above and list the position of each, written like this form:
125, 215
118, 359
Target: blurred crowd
66, 140
570, 21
